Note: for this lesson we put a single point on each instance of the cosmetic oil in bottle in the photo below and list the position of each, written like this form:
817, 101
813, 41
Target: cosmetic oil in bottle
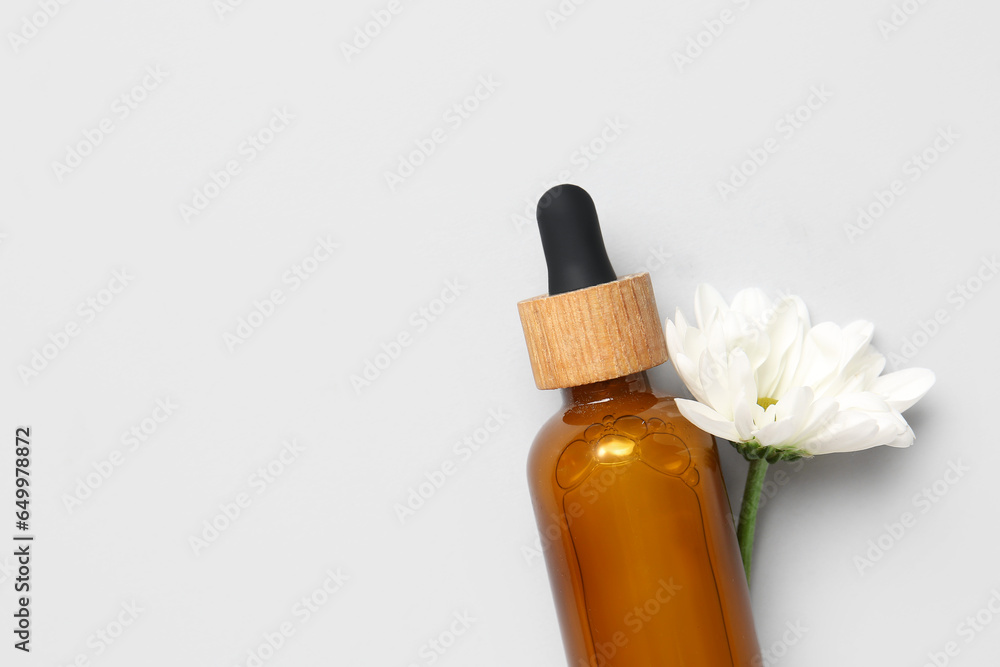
629, 498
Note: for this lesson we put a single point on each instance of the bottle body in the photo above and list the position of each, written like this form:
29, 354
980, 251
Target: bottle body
638, 535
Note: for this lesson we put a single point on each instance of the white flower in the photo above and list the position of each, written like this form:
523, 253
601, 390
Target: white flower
777, 387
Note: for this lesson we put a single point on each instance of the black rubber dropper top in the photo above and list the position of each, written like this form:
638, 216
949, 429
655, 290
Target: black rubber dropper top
572, 241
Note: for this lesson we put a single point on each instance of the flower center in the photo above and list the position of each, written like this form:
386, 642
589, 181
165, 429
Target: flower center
766, 402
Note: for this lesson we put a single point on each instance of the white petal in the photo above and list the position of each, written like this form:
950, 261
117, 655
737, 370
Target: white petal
778, 434
785, 331
904, 388
741, 380
718, 346
714, 376
865, 421
857, 336
681, 322
689, 340
859, 374
821, 414
707, 302
748, 336
753, 303
821, 356
675, 344
800, 309
864, 401
743, 415
790, 416
708, 419
688, 372
904, 439
861, 435
792, 357
797, 402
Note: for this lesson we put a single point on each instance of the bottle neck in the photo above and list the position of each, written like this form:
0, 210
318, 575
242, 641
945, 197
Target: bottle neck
606, 390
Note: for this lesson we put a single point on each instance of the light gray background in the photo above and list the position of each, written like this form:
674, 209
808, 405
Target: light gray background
460, 217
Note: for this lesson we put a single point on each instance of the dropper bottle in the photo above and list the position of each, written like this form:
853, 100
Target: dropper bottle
628, 495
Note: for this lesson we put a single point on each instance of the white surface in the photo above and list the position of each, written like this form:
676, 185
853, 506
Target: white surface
456, 219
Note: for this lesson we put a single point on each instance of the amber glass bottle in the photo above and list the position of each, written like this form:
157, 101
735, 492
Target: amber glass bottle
634, 518
631, 506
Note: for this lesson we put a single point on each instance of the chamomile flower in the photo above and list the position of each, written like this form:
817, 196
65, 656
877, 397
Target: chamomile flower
778, 387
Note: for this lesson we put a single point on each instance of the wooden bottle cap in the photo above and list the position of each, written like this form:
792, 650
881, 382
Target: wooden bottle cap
593, 334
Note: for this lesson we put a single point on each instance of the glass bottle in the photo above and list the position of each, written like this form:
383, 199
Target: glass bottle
637, 533
631, 506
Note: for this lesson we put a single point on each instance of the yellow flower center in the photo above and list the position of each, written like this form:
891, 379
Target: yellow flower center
766, 402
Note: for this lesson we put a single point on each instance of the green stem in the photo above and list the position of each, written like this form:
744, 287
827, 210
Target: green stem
748, 511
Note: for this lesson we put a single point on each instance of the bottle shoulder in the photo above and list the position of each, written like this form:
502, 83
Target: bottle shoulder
631, 417
631, 435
